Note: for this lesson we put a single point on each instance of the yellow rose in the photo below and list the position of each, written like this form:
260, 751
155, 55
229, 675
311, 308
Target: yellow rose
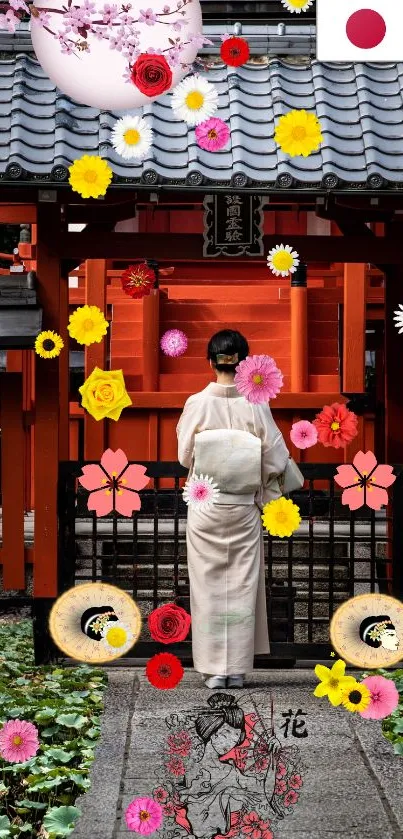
104, 394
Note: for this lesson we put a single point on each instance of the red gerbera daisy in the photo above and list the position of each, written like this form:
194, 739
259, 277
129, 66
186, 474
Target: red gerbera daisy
336, 425
164, 671
234, 51
137, 280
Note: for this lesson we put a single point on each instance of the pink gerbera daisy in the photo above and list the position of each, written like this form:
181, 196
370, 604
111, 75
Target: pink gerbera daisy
144, 816
384, 698
174, 342
18, 741
258, 378
213, 134
200, 492
303, 434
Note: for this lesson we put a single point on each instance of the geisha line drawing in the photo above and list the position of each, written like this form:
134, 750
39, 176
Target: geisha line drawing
225, 772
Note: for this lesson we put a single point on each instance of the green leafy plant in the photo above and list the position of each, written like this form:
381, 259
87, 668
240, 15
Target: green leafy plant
392, 726
65, 703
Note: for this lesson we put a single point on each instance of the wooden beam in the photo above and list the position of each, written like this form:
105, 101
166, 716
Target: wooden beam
354, 314
12, 480
17, 213
95, 356
101, 213
393, 382
81, 246
166, 401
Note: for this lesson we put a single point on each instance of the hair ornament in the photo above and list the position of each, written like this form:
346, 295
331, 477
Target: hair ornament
378, 629
227, 359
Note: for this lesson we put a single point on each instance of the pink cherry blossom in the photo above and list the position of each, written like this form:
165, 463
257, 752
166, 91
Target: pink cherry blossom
295, 781
280, 787
303, 434
291, 798
148, 17
364, 482
281, 770
213, 134
18, 4
9, 21
18, 741
113, 484
384, 698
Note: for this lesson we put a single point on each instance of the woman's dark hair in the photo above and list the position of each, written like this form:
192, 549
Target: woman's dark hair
224, 710
369, 624
91, 615
227, 342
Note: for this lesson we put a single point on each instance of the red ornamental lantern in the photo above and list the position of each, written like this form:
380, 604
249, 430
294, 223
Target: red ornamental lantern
138, 280
234, 51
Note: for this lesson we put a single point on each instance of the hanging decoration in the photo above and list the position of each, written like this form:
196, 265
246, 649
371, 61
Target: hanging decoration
48, 344
114, 484
115, 57
87, 325
258, 378
336, 425
281, 517
364, 482
194, 100
138, 280
132, 137
213, 134
234, 51
298, 133
297, 6
90, 176
174, 343
283, 260
104, 394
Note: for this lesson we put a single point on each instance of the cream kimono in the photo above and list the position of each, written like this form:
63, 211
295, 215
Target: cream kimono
225, 543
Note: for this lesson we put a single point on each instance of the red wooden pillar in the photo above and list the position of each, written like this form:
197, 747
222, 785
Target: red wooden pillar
299, 331
12, 480
95, 355
354, 328
151, 328
51, 423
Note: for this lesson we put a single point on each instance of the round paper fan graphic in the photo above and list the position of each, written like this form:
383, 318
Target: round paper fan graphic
367, 631
95, 623
366, 29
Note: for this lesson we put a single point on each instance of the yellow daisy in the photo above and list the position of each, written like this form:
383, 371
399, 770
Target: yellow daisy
357, 697
90, 176
87, 325
48, 344
281, 517
282, 260
298, 133
333, 683
297, 6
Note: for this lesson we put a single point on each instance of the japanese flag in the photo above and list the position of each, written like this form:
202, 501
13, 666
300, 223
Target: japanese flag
359, 30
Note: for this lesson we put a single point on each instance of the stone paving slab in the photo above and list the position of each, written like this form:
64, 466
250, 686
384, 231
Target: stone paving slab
352, 779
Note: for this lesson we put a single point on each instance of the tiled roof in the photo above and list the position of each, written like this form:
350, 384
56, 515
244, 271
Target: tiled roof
360, 107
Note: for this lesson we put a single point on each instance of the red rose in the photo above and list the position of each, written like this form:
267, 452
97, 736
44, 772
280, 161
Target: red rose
151, 74
234, 51
169, 623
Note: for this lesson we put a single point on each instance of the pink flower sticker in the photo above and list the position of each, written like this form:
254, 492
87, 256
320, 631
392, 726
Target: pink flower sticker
364, 482
18, 741
114, 484
303, 434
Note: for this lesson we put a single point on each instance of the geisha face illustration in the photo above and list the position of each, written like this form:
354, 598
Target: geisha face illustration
379, 631
226, 738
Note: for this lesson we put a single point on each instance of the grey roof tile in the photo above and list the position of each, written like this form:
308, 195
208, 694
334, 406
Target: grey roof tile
360, 108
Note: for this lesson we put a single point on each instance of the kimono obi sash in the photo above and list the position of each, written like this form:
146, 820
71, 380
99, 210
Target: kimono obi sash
233, 459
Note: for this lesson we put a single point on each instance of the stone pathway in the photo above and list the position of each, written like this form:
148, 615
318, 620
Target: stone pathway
353, 782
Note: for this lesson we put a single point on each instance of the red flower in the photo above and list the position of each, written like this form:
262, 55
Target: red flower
169, 623
137, 280
261, 764
254, 827
280, 788
164, 671
175, 766
295, 782
234, 51
281, 770
180, 743
336, 425
151, 74
291, 798
161, 795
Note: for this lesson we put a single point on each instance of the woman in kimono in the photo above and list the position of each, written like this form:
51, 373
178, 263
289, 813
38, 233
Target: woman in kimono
225, 543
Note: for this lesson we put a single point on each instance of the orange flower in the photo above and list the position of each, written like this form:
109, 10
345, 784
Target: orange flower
336, 425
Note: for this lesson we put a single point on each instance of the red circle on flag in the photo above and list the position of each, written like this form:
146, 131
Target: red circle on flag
366, 29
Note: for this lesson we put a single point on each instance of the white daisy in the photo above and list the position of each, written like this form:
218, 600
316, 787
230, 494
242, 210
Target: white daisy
399, 318
282, 260
194, 100
116, 637
131, 137
297, 6
200, 493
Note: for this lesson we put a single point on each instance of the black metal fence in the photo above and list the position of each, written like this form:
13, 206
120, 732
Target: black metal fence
335, 554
